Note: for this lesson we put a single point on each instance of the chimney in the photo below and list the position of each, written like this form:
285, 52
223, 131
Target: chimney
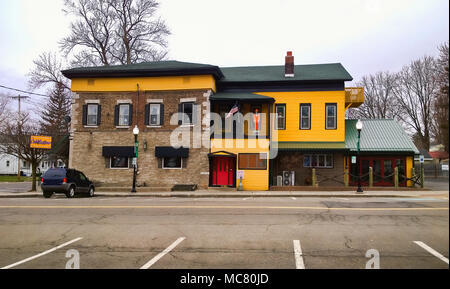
289, 65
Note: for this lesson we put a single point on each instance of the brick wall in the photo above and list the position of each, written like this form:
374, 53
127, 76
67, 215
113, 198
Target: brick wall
88, 142
293, 161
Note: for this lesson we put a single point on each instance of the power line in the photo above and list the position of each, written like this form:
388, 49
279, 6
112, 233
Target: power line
19, 90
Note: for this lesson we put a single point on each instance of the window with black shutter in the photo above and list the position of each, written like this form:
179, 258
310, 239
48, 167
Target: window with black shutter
91, 114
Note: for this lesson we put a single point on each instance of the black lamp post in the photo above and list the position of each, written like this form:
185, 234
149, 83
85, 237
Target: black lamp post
136, 146
359, 126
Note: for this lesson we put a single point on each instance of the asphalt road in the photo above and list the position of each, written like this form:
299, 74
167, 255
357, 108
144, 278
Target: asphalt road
232, 233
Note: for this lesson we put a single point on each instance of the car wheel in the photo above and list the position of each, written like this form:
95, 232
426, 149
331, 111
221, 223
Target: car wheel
91, 192
71, 192
47, 194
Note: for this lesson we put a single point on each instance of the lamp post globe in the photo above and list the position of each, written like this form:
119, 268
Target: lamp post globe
359, 126
135, 133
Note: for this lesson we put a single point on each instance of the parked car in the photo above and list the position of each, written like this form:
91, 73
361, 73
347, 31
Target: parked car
66, 181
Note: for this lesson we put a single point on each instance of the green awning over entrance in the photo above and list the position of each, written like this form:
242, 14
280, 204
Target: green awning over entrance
310, 146
239, 96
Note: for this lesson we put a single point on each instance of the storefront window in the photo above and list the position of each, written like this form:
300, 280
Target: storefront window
119, 162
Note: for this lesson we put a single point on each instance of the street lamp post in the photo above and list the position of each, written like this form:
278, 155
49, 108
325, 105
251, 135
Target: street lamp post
359, 126
136, 146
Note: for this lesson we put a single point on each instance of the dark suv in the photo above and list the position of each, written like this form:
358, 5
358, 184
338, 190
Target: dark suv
66, 181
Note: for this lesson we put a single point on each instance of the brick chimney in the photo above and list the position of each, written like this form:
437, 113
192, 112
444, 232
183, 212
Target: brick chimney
289, 65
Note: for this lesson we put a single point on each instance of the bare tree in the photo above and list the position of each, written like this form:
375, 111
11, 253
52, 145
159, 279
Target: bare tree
441, 106
115, 32
16, 139
415, 95
47, 71
379, 98
4, 100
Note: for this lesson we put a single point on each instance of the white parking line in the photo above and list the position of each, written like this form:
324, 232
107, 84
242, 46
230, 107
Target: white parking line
299, 264
160, 255
42, 254
432, 251
294, 198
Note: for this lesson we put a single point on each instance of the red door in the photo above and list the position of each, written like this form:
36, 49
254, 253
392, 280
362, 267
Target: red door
223, 171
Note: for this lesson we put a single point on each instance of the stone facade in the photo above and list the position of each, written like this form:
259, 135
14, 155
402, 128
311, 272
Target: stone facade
293, 161
87, 144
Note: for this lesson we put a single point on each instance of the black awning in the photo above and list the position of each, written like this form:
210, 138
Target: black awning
165, 152
118, 152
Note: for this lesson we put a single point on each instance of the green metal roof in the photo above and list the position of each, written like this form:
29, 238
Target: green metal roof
239, 96
311, 72
309, 146
378, 135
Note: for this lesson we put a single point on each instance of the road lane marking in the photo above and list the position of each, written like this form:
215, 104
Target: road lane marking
41, 254
219, 207
160, 255
294, 198
432, 251
299, 264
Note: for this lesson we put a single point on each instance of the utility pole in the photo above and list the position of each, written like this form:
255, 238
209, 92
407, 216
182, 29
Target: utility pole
19, 127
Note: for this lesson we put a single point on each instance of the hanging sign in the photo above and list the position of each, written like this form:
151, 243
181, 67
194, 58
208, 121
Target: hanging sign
41, 142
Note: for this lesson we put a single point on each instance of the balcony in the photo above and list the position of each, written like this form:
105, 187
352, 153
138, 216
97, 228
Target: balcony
354, 97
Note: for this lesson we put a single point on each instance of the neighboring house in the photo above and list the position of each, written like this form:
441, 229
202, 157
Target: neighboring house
291, 119
9, 163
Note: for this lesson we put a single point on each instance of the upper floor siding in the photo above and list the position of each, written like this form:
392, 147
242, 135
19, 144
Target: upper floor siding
317, 101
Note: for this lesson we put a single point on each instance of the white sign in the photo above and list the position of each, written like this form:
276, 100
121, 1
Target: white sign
421, 159
353, 160
445, 167
133, 162
239, 174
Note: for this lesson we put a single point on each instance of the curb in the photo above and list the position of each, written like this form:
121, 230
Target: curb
170, 195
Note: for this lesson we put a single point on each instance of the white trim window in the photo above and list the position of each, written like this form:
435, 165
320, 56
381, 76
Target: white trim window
331, 112
155, 114
172, 163
92, 114
318, 161
119, 162
187, 109
124, 115
305, 116
280, 110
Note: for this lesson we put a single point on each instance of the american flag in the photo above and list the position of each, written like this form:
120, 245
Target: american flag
233, 110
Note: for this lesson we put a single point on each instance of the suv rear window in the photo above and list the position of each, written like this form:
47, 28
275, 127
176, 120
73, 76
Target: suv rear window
54, 173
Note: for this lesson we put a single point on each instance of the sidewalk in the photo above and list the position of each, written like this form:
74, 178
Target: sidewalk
254, 194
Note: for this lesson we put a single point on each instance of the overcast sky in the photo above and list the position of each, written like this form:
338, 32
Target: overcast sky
366, 36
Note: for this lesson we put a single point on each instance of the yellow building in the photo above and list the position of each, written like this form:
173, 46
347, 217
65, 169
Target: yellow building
257, 128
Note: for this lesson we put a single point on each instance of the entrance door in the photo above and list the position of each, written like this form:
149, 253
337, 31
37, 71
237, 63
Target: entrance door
383, 170
223, 171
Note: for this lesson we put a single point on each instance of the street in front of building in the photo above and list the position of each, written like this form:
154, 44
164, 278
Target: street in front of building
228, 233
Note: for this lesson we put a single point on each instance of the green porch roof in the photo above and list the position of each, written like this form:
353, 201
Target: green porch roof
239, 96
310, 146
310, 72
378, 135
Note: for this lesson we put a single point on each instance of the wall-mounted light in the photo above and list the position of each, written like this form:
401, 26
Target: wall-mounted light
145, 145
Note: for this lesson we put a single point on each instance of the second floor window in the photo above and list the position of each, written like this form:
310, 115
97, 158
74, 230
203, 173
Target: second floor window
280, 110
187, 109
330, 116
305, 116
123, 114
92, 114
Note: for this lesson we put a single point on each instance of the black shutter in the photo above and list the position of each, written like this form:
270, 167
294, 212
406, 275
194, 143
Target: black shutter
180, 114
161, 114
147, 114
116, 115
85, 114
130, 117
99, 114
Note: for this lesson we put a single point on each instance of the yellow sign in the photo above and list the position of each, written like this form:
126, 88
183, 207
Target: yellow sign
41, 142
